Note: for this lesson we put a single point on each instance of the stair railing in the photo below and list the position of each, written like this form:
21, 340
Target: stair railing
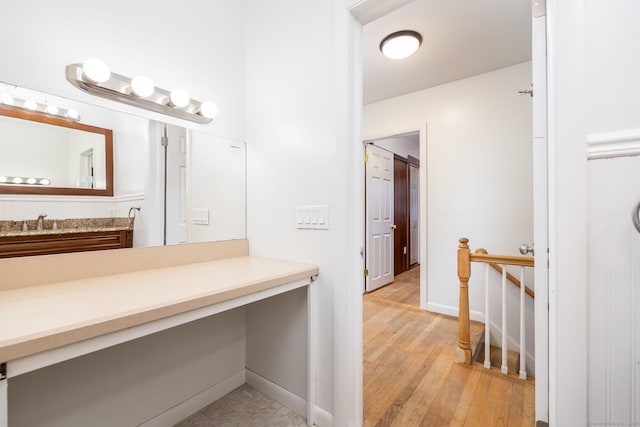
499, 263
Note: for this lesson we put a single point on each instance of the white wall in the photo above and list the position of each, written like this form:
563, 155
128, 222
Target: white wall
402, 145
479, 170
218, 183
133, 382
613, 94
292, 161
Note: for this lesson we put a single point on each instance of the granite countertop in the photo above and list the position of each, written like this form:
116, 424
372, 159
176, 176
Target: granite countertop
10, 228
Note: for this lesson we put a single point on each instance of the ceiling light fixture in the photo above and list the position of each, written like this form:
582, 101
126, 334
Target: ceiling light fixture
138, 91
401, 44
32, 106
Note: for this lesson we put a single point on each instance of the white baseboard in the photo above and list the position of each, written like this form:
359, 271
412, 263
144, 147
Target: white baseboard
453, 311
292, 401
322, 417
192, 405
277, 393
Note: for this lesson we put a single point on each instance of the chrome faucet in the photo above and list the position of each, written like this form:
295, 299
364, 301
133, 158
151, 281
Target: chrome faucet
40, 221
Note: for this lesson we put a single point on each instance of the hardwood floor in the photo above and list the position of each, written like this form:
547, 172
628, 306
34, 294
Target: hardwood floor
410, 374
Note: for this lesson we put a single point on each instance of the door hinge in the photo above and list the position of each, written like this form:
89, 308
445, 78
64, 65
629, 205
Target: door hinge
366, 158
3, 371
539, 8
366, 272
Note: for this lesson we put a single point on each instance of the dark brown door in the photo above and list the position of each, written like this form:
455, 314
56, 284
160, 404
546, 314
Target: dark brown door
401, 214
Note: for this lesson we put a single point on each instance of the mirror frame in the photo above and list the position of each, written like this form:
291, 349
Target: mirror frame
64, 191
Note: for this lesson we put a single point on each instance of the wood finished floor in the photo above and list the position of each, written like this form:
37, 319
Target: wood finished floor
410, 374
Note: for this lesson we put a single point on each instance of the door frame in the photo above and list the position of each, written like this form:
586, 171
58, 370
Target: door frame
567, 213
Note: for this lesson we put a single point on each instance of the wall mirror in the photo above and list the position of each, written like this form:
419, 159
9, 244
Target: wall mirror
191, 190
47, 155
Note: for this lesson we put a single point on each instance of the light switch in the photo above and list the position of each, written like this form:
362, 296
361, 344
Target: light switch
200, 216
312, 217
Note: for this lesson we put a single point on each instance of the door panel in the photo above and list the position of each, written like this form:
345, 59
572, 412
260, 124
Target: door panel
379, 212
400, 215
414, 214
540, 222
176, 221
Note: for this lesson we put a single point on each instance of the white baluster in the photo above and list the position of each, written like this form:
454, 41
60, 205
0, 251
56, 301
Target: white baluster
523, 347
504, 368
487, 320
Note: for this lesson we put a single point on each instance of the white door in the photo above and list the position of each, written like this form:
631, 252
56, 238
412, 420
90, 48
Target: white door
176, 191
540, 221
379, 215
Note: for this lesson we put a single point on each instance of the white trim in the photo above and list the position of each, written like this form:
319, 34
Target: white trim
292, 401
277, 393
450, 310
71, 199
322, 417
195, 403
4, 404
620, 143
60, 354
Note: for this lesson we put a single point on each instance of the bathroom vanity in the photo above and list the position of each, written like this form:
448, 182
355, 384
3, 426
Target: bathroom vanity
51, 311
23, 238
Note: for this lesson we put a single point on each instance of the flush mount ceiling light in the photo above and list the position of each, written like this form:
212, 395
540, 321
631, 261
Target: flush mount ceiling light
95, 77
401, 44
31, 106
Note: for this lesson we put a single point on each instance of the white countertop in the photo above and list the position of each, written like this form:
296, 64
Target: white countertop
38, 318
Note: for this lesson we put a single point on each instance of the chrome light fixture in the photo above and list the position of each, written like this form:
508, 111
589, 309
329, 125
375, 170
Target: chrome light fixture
19, 180
31, 106
401, 44
95, 77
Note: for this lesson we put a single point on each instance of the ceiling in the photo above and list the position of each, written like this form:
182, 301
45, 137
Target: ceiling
461, 38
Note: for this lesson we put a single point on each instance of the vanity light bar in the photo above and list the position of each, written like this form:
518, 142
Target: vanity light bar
95, 78
20, 180
32, 106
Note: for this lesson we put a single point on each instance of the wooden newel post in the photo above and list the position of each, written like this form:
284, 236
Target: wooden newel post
463, 353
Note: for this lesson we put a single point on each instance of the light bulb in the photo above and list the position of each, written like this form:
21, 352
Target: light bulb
73, 114
401, 44
31, 181
142, 86
3, 179
179, 98
45, 181
96, 71
17, 180
208, 109
30, 104
7, 99
52, 109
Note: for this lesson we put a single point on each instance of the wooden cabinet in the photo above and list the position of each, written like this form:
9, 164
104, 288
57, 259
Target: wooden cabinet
45, 244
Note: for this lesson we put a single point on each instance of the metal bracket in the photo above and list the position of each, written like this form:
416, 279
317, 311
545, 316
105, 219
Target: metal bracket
539, 8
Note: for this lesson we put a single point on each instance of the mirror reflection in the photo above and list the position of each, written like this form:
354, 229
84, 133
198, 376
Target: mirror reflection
201, 199
44, 155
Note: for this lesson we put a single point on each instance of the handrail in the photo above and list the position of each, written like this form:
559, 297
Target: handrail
465, 257
510, 276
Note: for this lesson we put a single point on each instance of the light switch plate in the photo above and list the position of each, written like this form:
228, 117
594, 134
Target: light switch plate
312, 217
200, 216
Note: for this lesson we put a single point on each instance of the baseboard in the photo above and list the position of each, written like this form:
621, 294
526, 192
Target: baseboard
292, 401
277, 393
192, 405
322, 417
453, 311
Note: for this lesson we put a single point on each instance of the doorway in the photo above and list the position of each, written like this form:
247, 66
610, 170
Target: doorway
392, 243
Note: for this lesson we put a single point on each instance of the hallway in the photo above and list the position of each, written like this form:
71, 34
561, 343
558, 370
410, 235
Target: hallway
411, 378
